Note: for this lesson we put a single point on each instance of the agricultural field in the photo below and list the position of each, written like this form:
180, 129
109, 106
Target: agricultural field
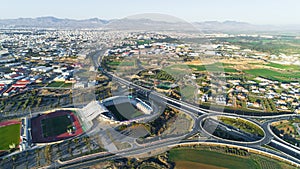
215, 67
10, 134
284, 67
198, 158
281, 44
274, 75
268, 70
210, 159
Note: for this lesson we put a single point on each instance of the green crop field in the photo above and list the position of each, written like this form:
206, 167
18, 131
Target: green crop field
9, 135
201, 158
215, 67
211, 158
274, 75
56, 125
285, 67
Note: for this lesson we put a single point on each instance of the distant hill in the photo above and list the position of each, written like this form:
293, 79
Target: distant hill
140, 24
229, 26
51, 22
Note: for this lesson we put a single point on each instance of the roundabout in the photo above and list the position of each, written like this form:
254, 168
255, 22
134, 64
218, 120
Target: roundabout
211, 124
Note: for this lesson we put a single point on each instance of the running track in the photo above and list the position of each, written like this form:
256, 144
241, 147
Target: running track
37, 135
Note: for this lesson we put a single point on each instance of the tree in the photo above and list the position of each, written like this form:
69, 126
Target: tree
14, 160
37, 152
47, 152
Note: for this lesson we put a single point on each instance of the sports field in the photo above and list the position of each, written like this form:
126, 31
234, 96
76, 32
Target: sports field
124, 111
55, 84
56, 125
9, 134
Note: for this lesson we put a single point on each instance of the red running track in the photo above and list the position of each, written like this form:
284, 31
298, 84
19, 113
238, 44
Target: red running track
10, 122
37, 132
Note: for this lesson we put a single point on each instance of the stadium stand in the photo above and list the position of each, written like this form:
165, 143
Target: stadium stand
90, 112
25, 137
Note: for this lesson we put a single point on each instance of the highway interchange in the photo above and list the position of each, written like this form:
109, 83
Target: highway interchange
289, 153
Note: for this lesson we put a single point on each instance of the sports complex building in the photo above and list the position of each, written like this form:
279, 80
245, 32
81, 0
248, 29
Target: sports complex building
60, 124
117, 109
49, 127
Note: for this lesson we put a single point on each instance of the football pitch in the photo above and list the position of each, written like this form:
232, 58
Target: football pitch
56, 125
124, 111
9, 135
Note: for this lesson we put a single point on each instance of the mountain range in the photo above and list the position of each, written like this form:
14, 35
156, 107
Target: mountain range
139, 24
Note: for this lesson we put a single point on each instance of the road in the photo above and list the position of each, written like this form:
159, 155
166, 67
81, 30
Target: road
81, 162
289, 153
198, 114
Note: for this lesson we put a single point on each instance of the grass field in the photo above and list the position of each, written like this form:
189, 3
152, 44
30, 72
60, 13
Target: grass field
9, 134
60, 84
205, 157
125, 63
177, 70
188, 92
124, 111
67, 85
55, 84
56, 125
242, 124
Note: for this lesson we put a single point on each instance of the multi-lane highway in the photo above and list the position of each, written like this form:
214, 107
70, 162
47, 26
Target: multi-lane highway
288, 153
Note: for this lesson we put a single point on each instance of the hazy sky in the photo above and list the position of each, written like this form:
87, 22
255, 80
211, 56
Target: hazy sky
253, 11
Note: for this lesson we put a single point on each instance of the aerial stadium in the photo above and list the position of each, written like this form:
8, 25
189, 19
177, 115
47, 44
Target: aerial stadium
117, 109
54, 126
60, 124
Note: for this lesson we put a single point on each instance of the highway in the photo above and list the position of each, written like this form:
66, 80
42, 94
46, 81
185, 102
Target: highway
198, 115
289, 153
81, 162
